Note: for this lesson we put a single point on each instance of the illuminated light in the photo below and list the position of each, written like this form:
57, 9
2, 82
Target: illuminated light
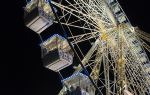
104, 36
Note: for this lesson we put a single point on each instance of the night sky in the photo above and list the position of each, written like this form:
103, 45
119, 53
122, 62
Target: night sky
22, 69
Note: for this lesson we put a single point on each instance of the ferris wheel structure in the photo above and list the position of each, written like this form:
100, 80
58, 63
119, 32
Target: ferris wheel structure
112, 54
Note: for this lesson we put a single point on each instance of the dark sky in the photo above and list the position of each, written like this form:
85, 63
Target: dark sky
22, 70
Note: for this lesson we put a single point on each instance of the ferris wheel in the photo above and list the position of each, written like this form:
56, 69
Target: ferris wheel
111, 52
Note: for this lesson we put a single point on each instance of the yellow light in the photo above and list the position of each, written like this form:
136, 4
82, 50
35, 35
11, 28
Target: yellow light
104, 36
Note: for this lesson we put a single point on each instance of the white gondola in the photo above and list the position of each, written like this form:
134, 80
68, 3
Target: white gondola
122, 18
111, 1
38, 15
137, 49
57, 53
147, 76
143, 59
79, 80
116, 8
147, 67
